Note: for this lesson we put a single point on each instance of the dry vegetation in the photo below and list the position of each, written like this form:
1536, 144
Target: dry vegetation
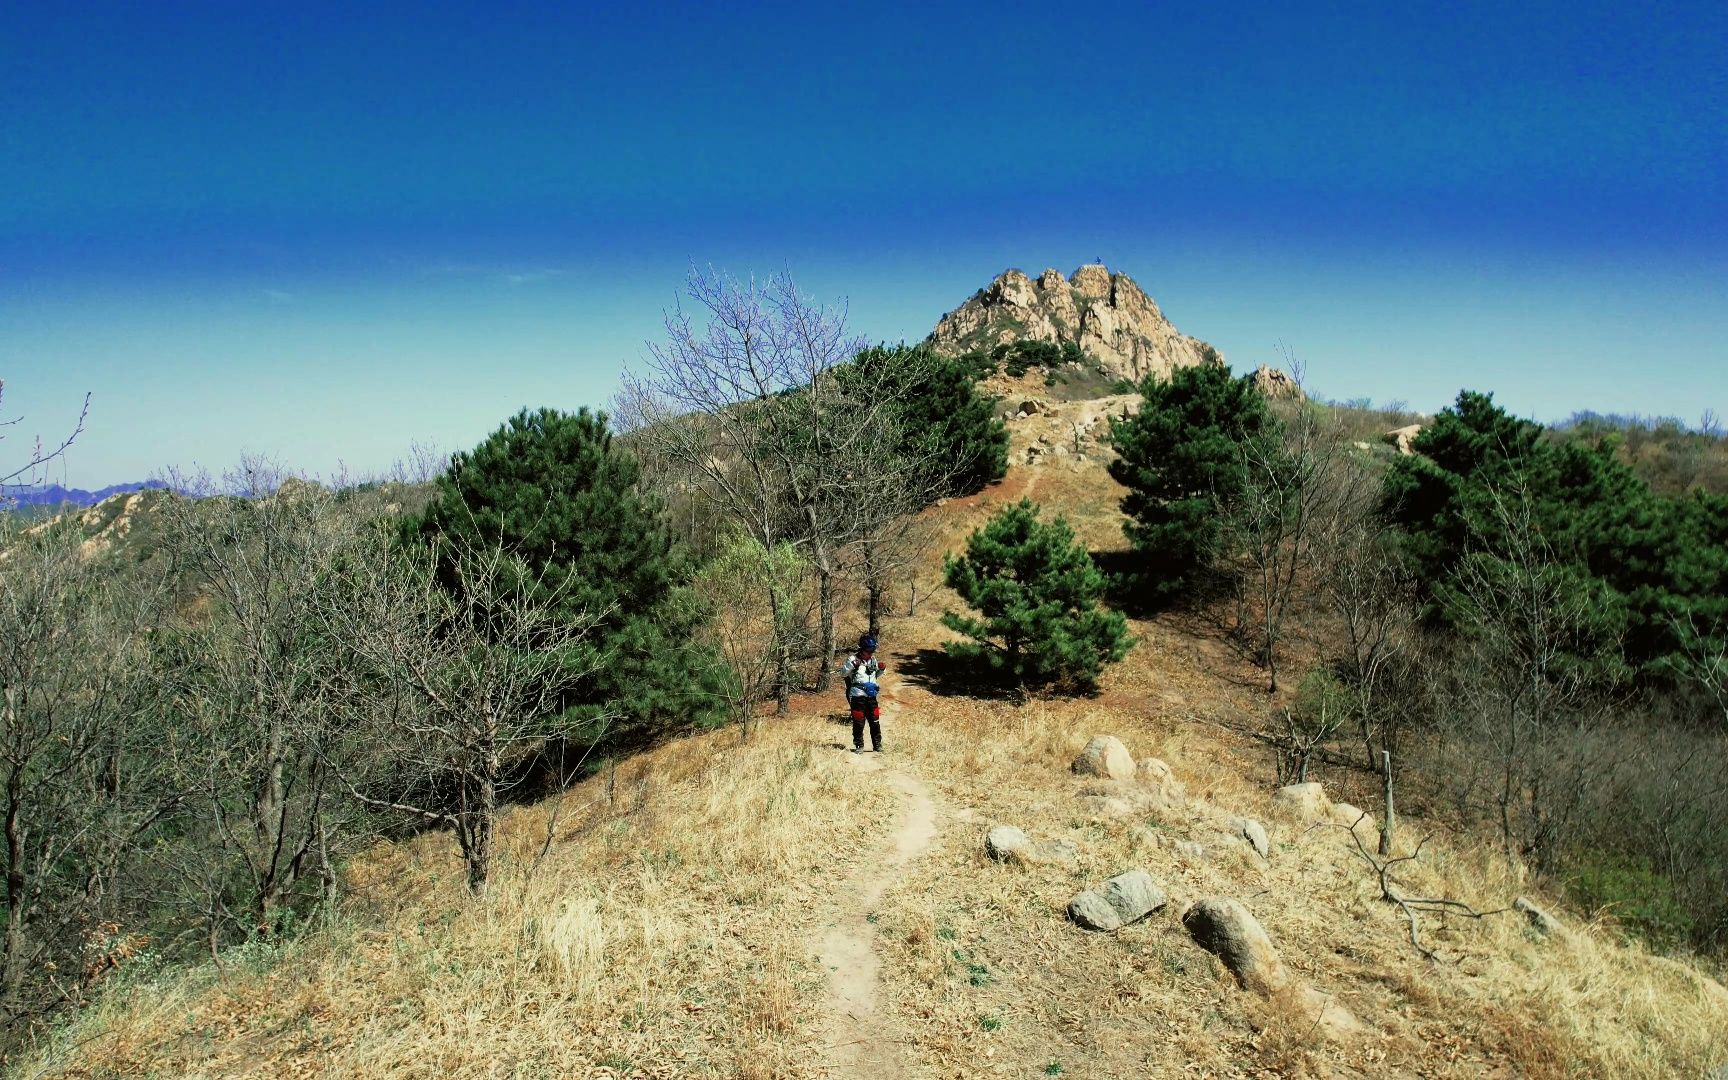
668, 927
663, 933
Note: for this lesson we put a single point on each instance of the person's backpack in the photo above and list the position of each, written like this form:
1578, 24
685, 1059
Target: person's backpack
864, 676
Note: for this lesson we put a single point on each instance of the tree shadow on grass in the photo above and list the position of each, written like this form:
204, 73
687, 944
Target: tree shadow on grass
945, 676
1133, 589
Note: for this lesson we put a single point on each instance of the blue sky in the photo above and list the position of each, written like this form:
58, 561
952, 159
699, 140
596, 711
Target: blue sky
323, 233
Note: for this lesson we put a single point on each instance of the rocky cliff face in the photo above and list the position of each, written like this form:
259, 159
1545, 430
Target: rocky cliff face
1106, 314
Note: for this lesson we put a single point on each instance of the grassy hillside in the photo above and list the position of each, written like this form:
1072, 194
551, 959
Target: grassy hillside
666, 918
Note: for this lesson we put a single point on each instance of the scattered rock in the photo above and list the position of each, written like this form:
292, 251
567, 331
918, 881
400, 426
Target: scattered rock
1108, 805
1003, 841
1191, 850
1404, 438
1154, 771
1030, 408
1353, 819
1253, 832
1541, 922
1361, 445
1332, 1019
1160, 778
1306, 801
1020, 415
1105, 756
1230, 932
1010, 844
1125, 898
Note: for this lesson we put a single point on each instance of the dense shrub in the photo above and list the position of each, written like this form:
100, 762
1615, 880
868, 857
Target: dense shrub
1482, 479
1037, 592
1183, 459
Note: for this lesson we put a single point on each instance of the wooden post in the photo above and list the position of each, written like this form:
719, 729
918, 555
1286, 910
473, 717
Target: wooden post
1389, 821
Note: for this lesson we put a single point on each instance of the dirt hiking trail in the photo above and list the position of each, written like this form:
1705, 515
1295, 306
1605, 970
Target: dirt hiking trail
861, 1042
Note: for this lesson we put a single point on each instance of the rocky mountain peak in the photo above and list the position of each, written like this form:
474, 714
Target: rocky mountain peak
1105, 313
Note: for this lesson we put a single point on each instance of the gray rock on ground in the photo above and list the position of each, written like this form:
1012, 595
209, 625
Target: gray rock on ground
1306, 801
1008, 843
1125, 898
1158, 776
1105, 756
1253, 832
1229, 931
1191, 850
1002, 841
1359, 822
1543, 923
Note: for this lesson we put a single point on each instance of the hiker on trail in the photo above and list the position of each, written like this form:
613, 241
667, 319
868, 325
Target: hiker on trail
861, 672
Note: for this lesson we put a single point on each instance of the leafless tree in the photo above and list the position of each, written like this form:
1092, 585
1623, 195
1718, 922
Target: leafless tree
745, 403
450, 688
1518, 686
79, 771
255, 679
1368, 587
749, 587
1385, 866
1288, 500
27, 472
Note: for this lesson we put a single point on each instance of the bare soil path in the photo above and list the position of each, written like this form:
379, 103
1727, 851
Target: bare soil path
861, 1041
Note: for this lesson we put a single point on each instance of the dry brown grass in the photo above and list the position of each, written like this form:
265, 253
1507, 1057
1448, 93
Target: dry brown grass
973, 945
671, 931
663, 935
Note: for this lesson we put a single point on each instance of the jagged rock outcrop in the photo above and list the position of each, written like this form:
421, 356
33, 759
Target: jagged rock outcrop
1104, 313
1275, 383
1404, 438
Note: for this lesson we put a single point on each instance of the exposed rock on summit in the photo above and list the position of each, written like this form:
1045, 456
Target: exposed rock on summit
1106, 314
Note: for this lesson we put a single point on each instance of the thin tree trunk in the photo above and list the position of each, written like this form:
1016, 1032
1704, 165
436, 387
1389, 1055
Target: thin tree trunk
825, 580
1390, 822
15, 883
782, 652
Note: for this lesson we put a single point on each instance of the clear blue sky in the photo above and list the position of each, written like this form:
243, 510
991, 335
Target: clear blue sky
325, 231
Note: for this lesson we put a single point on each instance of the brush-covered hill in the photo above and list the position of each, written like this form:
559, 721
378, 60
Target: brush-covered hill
780, 907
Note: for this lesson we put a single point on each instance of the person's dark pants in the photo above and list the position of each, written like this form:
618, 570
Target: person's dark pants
866, 708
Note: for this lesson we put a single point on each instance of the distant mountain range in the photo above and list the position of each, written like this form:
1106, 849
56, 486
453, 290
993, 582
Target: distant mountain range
55, 495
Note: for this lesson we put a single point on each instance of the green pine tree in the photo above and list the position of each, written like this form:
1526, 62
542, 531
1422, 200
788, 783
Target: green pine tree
553, 490
1036, 590
1182, 460
944, 427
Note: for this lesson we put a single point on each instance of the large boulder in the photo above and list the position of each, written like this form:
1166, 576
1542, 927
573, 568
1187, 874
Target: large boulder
1404, 438
1105, 756
1305, 801
1229, 931
1125, 898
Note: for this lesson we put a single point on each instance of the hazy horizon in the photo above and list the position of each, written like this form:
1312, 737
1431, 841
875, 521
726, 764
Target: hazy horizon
325, 235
